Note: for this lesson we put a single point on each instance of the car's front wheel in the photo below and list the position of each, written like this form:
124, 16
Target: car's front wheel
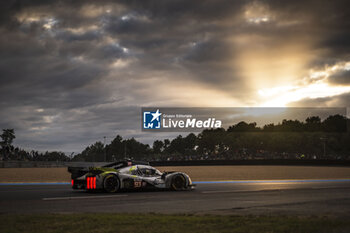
178, 183
111, 184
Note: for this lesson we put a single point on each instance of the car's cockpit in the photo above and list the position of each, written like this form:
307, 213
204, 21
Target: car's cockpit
141, 170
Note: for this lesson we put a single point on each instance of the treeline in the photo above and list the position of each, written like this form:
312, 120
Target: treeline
290, 139
9, 152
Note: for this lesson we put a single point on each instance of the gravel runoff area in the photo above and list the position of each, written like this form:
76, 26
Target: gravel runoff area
197, 173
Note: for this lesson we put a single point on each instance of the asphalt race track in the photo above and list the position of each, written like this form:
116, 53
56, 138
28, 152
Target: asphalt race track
287, 197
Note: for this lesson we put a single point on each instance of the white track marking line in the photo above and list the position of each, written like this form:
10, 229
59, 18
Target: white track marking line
82, 197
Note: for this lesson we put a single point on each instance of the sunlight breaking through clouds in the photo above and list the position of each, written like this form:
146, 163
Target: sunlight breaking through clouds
316, 85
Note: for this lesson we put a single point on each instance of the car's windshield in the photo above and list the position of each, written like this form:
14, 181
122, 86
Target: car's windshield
147, 171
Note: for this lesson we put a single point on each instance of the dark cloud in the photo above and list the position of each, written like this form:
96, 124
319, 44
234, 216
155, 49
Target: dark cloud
183, 10
209, 51
341, 77
71, 37
129, 27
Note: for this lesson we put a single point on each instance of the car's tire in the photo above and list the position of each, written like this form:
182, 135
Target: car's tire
178, 182
111, 184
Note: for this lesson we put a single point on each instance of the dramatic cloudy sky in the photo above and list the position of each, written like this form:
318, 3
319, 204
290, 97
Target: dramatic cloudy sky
72, 72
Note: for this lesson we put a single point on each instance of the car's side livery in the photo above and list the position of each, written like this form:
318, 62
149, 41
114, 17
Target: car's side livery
128, 175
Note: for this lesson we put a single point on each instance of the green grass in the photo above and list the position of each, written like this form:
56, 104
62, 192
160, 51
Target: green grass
140, 223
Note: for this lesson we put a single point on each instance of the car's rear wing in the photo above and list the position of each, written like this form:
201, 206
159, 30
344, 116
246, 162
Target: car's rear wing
78, 171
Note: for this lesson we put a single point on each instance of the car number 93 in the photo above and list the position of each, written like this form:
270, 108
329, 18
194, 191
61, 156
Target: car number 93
137, 184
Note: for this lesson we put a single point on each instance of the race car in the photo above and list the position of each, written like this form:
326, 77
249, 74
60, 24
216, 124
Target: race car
127, 175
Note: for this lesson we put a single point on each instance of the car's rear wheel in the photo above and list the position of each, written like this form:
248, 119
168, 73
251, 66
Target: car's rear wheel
178, 183
111, 184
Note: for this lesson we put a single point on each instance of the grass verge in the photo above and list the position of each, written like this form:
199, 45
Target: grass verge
166, 223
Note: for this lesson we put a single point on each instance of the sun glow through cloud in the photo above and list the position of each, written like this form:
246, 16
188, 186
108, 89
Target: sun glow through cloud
314, 86
282, 98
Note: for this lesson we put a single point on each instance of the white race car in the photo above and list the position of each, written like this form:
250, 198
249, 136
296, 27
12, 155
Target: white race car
127, 175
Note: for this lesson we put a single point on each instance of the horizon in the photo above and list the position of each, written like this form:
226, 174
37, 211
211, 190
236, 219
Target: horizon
108, 139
